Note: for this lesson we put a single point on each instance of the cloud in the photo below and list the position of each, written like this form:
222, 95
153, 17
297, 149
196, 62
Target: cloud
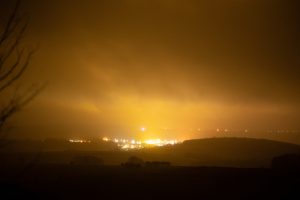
207, 62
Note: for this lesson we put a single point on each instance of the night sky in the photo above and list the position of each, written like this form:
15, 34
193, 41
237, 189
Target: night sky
172, 66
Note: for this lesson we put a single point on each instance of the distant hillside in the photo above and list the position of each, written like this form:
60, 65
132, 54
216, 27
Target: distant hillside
233, 152
225, 152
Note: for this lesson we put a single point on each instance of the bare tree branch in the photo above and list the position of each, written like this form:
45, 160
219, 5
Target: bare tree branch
13, 46
13, 67
14, 61
19, 74
8, 28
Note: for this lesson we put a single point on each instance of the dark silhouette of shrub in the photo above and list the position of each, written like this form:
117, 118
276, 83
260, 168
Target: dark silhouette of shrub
286, 162
158, 164
133, 162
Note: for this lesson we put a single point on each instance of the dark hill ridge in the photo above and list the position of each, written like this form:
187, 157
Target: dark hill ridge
219, 152
232, 152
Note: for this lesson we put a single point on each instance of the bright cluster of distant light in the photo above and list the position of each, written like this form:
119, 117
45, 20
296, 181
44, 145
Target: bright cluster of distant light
79, 141
283, 131
159, 142
137, 144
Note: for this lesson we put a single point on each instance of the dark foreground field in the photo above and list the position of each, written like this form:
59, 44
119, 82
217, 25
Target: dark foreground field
115, 182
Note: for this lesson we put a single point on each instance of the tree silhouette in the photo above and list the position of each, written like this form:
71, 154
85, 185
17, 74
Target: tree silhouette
133, 162
14, 60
